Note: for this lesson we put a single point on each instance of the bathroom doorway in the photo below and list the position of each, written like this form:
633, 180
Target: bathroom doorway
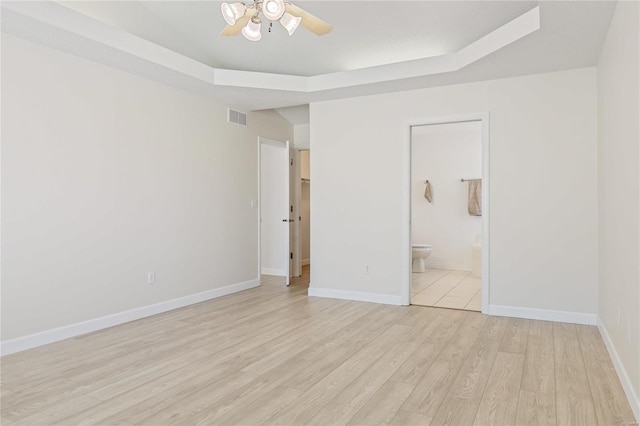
449, 214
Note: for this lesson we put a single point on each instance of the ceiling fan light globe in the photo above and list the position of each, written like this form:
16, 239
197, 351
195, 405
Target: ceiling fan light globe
273, 9
232, 11
290, 22
252, 31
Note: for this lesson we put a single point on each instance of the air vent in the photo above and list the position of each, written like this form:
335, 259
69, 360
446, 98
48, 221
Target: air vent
237, 117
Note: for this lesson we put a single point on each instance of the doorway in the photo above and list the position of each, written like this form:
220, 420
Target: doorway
448, 235
274, 211
305, 214
300, 230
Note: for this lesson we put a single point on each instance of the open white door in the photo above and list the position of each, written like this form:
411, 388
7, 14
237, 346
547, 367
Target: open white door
275, 217
288, 221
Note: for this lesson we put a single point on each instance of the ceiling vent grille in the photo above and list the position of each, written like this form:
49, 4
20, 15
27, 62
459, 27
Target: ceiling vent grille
236, 117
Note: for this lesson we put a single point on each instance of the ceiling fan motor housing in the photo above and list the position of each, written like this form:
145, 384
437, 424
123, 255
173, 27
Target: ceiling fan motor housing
273, 9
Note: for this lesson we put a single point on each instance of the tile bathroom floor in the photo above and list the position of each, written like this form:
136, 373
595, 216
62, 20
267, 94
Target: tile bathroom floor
446, 289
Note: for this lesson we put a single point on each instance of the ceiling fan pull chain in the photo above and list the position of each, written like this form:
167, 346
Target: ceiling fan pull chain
270, 25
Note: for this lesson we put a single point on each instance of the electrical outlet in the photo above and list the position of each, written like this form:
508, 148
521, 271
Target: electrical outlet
151, 278
253, 203
366, 269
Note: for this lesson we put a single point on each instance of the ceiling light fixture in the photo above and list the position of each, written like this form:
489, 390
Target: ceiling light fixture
245, 19
252, 30
273, 9
290, 22
231, 12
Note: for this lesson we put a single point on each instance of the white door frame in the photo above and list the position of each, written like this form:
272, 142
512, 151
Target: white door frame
285, 145
406, 190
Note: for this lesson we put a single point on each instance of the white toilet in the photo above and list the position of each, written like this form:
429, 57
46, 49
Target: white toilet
419, 252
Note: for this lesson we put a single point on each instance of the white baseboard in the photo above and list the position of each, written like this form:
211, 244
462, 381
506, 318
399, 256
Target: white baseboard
634, 400
543, 314
306, 262
330, 293
273, 271
49, 336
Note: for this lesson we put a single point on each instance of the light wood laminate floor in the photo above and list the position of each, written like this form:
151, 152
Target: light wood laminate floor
272, 355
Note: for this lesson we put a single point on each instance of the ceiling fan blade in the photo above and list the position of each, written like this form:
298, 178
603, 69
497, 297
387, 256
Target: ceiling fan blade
310, 22
235, 29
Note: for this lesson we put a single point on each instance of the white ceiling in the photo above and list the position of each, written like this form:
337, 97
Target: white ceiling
366, 34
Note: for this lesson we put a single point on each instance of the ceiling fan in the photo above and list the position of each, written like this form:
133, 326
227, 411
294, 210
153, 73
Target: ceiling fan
245, 19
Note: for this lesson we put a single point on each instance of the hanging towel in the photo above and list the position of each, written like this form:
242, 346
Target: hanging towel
427, 191
475, 197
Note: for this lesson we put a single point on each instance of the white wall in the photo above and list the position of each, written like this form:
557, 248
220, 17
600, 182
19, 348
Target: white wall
106, 176
273, 209
444, 154
543, 224
301, 136
619, 184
